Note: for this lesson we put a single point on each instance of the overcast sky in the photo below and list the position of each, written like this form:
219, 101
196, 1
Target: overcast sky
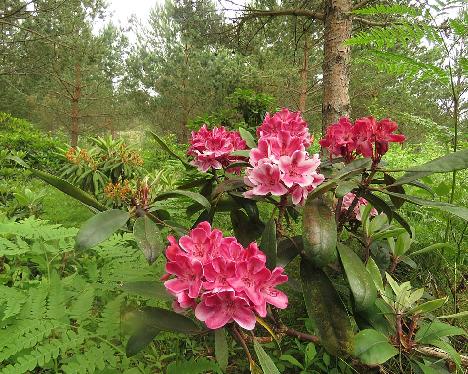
123, 9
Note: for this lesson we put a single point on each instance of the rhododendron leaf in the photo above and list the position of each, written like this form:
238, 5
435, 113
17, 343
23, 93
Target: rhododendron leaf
148, 238
323, 188
268, 243
221, 348
361, 283
147, 289
344, 187
372, 347
238, 164
168, 320
242, 153
387, 234
245, 229
429, 306
267, 364
100, 227
140, 339
375, 273
248, 137
355, 167
169, 151
326, 310
69, 189
228, 185
288, 249
430, 331
319, 232
451, 162
203, 201
389, 180
194, 183
458, 211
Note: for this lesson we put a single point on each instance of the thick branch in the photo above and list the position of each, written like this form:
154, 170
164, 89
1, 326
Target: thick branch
284, 12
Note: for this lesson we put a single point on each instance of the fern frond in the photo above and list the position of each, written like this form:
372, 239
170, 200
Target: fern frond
110, 318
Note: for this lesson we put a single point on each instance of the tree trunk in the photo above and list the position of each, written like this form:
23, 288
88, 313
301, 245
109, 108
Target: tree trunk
336, 60
303, 75
75, 110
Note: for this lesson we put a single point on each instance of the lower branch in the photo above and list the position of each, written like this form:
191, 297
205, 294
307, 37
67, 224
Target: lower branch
440, 354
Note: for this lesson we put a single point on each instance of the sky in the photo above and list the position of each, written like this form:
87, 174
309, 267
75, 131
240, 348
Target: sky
123, 9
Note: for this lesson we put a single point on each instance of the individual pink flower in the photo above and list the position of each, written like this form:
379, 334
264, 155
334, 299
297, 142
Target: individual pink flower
363, 134
284, 144
298, 168
218, 309
217, 273
202, 242
270, 294
384, 134
347, 202
189, 274
182, 302
249, 276
339, 139
265, 178
211, 149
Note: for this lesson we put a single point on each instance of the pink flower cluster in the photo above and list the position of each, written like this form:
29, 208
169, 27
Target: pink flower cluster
366, 137
348, 200
212, 148
220, 279
280, 163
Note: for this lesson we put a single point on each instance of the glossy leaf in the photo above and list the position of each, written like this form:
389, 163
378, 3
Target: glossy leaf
221, 348
326, 310
169, 151
167, 320
248, 137
372, 347
140, 339
389, 180
319, 233
267, 364
453, 354
355, 167
69, 189
387, 234
148, 289
200, 199
459, 211
375, 273
245, 229
268, 243
344, 187
288, 249
100, 227
148, 238
429, 306
430, 331
451, 162
360, 281
403, 244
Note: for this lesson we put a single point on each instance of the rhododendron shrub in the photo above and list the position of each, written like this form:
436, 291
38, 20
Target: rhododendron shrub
220, 279
335, 219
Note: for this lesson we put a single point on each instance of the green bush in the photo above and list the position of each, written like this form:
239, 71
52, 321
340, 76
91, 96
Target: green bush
21, 138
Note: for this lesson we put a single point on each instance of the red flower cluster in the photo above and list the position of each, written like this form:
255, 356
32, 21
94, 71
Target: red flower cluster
280, 164
229, 282
366, 137
212, 148
348, 200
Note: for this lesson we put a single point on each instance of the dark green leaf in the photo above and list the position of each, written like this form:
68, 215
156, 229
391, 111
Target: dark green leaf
288, 249
459, 211
430, 331
167, 320
100, 227
169, 151
355, 167
248, 137
429, 306
372, 347
245, 229
361, 284
268, 243
389, 180
69, 189
267, 364
140, 340
319, 232
148, 238
291, 360
451, 162
453, 354
221, 348
326, 310
344, 187
200, 199
148, 289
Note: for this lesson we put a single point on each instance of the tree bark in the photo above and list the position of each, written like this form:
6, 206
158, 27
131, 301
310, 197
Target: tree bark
336, 61
75, 110
304, 75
